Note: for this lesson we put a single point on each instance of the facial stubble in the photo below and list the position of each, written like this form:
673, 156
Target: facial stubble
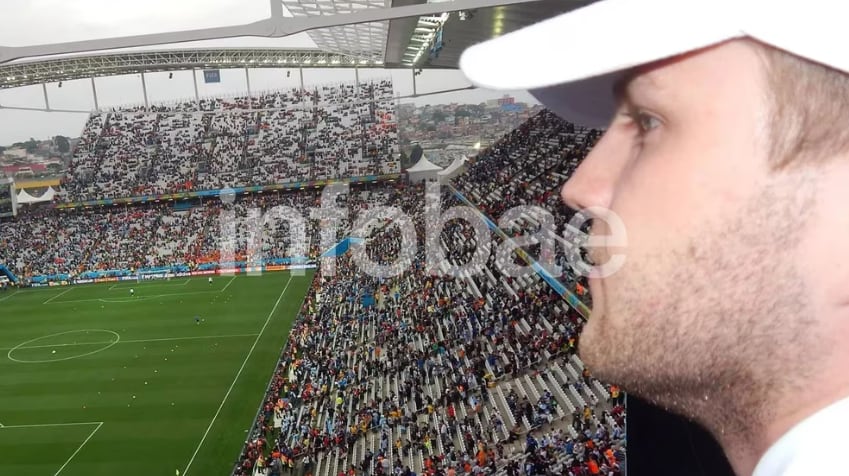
706, 329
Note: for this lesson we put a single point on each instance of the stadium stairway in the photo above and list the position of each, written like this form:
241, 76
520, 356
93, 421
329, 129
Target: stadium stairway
491, 414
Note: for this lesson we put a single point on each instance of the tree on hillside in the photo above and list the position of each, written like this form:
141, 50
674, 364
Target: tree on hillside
438, 116
31, 145
63, 144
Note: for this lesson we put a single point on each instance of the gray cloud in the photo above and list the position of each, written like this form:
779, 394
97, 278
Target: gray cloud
28, 22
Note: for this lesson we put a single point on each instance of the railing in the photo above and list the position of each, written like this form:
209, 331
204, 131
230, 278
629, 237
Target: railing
570, 297
8, 273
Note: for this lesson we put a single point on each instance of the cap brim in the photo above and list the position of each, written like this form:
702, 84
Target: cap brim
589, 102
590, 45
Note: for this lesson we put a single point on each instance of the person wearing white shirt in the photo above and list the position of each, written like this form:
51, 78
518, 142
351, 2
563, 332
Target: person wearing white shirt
726, 160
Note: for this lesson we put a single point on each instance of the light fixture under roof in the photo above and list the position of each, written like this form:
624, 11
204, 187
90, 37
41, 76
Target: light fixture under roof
423, 36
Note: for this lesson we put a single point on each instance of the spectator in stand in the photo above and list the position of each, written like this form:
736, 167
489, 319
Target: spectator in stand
527, 167
418, 350
169, 148
440, 373
45, 241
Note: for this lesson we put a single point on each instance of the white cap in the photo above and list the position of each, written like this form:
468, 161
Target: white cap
570, 62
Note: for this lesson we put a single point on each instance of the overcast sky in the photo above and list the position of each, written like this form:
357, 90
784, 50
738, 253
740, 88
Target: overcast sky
27, 22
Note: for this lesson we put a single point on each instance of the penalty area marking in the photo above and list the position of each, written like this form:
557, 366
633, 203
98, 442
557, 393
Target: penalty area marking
79, 448
99, 424
141, 298
70, 288
131, 299
127, 284
238, 374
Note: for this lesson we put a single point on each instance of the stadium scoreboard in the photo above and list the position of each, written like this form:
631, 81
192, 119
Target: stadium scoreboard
8, 199
212, 76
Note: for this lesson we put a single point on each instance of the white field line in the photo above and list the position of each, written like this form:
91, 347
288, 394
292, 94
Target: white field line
152, 296
78, 449
238, 374
55, 424
10, 295
70, 288
146, 284
137, 341
231, 282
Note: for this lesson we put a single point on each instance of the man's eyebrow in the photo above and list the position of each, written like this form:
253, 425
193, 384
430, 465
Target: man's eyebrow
642, 76
620, 87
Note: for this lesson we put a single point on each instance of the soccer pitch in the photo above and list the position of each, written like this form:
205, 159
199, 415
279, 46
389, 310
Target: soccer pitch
95, 382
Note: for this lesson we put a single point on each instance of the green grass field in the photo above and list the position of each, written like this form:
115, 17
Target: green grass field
94, 382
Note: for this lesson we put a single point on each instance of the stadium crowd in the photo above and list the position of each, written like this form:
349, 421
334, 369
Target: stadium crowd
48, 241
527, 168
425, 372
329, 131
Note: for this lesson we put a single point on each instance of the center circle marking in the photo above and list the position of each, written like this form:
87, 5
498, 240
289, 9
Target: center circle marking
24, 345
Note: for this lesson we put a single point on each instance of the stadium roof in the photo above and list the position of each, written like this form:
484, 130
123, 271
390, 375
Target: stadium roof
462, 29
110, 64
347, 33
363, 40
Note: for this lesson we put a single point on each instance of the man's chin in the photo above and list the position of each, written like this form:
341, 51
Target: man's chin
595, 348
589, 341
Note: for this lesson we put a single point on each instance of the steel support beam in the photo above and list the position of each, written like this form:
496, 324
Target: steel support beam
276, 8
271, 27
114, 64
144, 91
46, 100
357, 79
195, 80
248, 84
414, 82
94, 94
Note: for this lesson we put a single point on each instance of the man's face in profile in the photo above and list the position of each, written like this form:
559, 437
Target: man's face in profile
713, 235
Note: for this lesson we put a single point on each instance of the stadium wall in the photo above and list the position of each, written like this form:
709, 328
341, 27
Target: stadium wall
8, 273
147, 277
237, 191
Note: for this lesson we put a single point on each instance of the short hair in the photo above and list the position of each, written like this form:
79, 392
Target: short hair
808, 107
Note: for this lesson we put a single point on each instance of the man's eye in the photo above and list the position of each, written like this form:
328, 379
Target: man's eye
646, 122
